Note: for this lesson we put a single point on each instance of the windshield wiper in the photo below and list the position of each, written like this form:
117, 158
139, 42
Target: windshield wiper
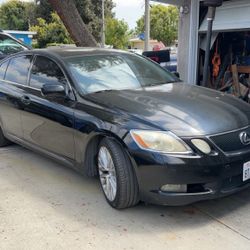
157, 84
102, 91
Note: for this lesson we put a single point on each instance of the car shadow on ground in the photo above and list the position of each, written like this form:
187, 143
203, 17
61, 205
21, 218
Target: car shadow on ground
80, 198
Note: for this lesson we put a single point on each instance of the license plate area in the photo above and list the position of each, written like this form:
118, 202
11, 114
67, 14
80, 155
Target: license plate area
246, 171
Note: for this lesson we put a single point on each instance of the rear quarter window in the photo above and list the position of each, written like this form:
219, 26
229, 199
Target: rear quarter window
18, 69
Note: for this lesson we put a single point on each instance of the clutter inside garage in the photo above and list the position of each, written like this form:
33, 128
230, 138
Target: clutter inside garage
229, 68
229, 62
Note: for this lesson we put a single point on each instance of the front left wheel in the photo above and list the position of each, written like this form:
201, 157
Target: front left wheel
117, 176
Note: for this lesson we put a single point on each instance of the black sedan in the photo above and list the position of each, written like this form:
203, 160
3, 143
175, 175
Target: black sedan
123, 118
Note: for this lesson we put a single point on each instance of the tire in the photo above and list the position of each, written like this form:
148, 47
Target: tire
119, 169
3, 141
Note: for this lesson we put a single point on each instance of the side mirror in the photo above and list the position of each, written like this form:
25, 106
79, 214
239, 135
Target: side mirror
53, 90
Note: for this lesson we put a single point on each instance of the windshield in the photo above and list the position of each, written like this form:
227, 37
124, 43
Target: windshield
117, 72
9, 46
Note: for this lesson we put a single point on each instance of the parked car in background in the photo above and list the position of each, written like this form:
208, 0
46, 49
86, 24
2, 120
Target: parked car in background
10, 45
165, 58
159, 56
172, 64
124, 118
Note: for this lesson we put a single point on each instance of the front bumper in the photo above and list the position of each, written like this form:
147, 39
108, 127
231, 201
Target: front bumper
211, 191
206, 177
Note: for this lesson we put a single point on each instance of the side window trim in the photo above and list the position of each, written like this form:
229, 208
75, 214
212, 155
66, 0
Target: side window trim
8, 62
29, 73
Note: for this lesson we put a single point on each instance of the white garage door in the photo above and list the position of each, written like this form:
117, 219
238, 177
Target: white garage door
231, 16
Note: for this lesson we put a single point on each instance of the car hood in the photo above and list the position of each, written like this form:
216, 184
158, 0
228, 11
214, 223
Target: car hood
184, 109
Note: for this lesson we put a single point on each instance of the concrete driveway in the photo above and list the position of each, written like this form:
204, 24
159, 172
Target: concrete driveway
44, 205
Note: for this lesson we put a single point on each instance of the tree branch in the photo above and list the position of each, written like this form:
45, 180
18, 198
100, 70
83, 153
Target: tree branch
73, 22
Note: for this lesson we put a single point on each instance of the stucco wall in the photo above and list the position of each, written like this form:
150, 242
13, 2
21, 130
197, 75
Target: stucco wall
183, 43
188, 41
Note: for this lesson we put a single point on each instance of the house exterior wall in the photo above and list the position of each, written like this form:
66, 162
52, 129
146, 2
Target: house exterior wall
183, 42
139, 44
24, 38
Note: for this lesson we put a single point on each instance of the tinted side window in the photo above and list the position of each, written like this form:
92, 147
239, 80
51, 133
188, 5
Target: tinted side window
18, 69
3, 68
45, 71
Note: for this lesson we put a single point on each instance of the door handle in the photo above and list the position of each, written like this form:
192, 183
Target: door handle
25, 100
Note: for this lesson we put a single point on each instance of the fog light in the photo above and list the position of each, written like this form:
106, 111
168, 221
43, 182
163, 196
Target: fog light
173, 188
202, 146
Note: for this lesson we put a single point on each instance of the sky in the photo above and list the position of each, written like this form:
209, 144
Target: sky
129, 10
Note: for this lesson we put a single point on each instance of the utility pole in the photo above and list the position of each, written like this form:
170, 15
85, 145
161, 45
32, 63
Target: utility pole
147, 25
103, 24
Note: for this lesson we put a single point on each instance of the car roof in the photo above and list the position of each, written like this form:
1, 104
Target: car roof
62, 53
67, 52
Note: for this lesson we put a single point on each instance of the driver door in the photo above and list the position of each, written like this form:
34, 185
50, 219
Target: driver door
48, 122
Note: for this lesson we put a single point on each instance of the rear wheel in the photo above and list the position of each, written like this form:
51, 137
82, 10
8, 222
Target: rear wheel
3, 140
117, 177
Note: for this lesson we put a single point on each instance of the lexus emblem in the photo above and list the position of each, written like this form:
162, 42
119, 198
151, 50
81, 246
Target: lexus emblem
245, 138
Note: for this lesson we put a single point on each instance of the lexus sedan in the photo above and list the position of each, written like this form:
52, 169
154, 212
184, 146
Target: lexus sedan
123, 118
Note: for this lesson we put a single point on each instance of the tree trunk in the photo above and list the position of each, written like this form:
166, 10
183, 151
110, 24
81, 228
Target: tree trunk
73, 22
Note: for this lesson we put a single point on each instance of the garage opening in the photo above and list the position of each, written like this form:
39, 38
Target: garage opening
229, 66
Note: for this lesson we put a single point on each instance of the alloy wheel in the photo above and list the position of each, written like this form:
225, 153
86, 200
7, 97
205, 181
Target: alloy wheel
107, 173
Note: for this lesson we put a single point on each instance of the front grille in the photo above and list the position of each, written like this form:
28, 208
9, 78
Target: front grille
230, 142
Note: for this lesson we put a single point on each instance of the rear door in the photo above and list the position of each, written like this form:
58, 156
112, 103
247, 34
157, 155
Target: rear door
13, 81
48, 122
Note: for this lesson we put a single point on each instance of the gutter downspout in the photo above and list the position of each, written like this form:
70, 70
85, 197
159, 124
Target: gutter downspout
212, 5
210, 20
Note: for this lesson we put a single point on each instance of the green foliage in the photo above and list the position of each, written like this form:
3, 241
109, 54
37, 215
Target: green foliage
49, 33
16, 15
89, 10
43, 10
91, 14
117, 33
36, 16
164, 24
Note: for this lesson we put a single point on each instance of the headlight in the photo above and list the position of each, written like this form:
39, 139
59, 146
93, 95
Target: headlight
202, 146
158, 141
